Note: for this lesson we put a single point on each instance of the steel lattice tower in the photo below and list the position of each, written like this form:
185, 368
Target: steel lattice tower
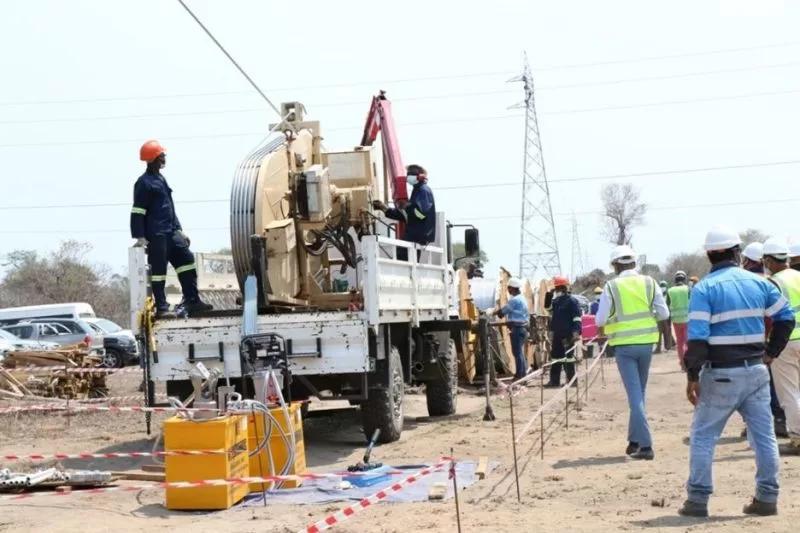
577, 267
538, 246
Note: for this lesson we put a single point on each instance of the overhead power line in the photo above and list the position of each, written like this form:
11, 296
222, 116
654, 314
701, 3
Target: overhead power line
743, 203
482, 186
444, 77
421, 123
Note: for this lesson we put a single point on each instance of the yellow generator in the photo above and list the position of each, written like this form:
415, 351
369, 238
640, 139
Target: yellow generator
274, 437
228, 433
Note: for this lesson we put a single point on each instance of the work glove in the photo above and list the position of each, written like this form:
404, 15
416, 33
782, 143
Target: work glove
184, 238
141, 242
378, 205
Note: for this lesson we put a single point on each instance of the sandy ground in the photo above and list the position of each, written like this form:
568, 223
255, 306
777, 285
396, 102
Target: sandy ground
584, 483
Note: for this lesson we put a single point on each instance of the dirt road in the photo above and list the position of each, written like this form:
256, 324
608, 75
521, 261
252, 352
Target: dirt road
584, 483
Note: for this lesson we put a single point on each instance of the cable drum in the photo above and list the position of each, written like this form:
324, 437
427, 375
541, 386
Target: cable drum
484, 292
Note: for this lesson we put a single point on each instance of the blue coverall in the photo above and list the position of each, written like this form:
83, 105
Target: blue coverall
517, 314
153, 218
565, 323
419, 216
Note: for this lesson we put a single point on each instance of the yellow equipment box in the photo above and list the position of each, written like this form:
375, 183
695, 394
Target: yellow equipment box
230, 434
257, 431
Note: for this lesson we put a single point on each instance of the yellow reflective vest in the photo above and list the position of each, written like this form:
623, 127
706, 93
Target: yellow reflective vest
789, 282
631, 320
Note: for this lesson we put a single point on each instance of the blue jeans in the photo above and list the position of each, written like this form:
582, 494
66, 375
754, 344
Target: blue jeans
723, 391
518, 335
633, 362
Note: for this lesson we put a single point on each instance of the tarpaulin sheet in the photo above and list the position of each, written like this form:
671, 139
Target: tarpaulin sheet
325, 491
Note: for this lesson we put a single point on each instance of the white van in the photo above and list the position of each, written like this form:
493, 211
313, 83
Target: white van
76, 311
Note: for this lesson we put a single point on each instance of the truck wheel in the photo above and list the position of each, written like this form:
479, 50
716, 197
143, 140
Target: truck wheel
384, 408
442, 394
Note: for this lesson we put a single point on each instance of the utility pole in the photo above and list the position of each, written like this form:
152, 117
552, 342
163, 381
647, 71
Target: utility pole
538, 246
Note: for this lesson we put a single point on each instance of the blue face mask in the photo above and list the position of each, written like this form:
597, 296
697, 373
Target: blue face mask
412, 180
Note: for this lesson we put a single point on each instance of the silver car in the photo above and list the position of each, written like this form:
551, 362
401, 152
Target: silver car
62, 331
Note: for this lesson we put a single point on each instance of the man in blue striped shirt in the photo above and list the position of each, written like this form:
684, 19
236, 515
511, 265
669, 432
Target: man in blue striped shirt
725, 366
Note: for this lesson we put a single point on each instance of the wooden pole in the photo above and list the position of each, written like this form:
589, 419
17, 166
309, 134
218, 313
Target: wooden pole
455, 486
541, 417
514, 442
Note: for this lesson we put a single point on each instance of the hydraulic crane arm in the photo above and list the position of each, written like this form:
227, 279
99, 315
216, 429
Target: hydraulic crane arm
380, 120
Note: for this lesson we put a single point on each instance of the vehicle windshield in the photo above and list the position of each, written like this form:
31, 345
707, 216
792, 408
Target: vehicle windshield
107, 325
8, 336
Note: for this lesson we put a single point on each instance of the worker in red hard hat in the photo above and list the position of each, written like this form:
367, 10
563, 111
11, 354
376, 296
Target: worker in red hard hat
155, 226
565, 327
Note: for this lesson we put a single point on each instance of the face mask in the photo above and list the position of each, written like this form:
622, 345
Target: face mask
412, 180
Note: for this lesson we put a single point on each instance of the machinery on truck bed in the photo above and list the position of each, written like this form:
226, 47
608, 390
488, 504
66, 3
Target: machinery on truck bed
324, 297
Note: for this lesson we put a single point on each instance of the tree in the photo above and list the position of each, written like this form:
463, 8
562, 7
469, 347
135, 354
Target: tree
587, 282
458, 256
693, 263
65, 275
622, 212
752, 235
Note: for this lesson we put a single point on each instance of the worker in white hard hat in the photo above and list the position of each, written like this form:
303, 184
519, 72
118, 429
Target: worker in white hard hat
726, 371
630, 307
517, 317
786, 366
794, 254
752, 261
678, 303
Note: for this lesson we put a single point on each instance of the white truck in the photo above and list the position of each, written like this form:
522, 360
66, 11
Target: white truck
358, 332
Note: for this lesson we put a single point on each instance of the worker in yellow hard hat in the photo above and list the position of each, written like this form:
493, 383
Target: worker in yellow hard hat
596, 303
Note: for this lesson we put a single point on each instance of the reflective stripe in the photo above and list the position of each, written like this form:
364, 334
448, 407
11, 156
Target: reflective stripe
733, 315
138, 211
736, 339
632, 320
777, 306
620, 315
700, 315
632, 333
184, 268
420, 215
679, 303
158, 278
576, 319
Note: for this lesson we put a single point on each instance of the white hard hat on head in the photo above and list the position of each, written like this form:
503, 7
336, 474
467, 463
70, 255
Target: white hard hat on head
794, 247
776, 247
754, 251
680, 274
623, 255
515, 283
719, 238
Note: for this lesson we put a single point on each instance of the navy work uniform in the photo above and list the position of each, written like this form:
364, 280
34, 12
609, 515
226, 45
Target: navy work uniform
419, 215
565, 323
153, 218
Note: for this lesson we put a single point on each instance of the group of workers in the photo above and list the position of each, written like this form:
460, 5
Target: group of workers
738, 338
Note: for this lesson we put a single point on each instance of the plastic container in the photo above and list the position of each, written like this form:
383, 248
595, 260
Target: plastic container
588, 327
370, 477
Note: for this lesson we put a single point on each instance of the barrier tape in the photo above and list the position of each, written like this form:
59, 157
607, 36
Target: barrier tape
343, 514
65, 401
557, 396
75, 370
61, 407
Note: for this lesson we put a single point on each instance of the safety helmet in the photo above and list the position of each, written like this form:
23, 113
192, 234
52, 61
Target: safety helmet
663, 283
560, 281
623, 255
776, 247
680, 275
150, 151
719, 239
598, 290
515, 283
754, 251
794, 247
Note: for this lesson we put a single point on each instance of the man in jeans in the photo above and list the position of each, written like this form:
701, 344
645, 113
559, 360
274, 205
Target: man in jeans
518, 316
786, 368
629, 309
726, 371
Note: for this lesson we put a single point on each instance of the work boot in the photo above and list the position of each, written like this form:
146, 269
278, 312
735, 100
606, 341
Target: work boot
645, 454
759, 508
697, 510
552, 385
790, 448
164, 312
632, 448
780, 429
198, 306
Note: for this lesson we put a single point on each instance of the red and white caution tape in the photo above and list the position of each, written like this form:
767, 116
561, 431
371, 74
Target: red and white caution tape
76, 369
110, 455
61, 407
78, 401
345, 513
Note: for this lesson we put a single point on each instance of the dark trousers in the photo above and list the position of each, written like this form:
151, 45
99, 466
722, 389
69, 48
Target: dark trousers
558, 352
163, 249
518, 336
664, 335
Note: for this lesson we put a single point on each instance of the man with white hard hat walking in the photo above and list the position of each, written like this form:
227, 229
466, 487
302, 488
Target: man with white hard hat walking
726, 371
630, 306
518, 315
786, 368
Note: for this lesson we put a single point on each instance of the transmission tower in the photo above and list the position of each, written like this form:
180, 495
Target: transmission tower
577, 266
538, 247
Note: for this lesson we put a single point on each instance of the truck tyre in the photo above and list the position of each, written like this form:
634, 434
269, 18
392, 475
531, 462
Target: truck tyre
442, 394
384, 408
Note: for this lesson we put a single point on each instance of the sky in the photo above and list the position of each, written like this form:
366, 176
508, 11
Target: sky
625, 88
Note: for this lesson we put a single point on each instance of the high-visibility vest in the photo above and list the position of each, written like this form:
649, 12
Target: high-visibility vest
631, 320
789, 282
679, 304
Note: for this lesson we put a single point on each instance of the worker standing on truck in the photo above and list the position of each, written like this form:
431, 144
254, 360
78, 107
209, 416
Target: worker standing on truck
517, 318
630, 308
565, 325
419, 215
155, 226
726, 372
786, 368
678, 303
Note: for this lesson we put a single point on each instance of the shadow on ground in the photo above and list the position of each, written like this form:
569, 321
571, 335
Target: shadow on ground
682, 521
